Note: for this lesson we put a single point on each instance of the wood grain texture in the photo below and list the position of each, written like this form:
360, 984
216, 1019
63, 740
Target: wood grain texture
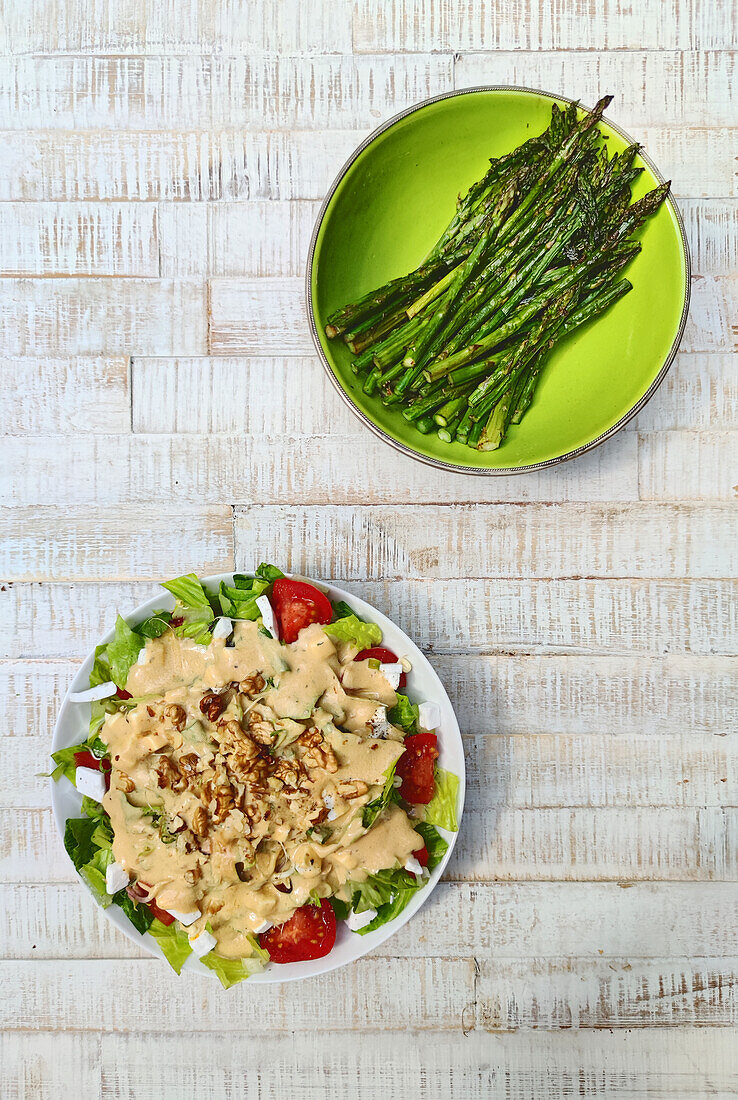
44, 544
421, 24
101, 317
234, 165
78, 394
434, 1065
247, 469
498, 540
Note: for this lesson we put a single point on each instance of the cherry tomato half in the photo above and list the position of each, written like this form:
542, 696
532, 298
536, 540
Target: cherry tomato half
422, 856
139, 892
85, 759
296, 605
415, 768
309, 934
123, 694
385, 657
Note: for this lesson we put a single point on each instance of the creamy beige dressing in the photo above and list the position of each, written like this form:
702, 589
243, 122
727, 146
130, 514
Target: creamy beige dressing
238, 783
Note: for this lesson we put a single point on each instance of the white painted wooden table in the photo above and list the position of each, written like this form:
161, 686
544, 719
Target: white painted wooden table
160, 169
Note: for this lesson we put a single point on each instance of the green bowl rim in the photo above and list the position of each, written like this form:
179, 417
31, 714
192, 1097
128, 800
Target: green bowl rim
454, 467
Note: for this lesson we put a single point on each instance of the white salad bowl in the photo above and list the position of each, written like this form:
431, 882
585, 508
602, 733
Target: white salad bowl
422, 683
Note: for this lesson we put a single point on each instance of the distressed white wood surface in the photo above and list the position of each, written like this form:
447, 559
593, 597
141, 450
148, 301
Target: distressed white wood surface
163, 163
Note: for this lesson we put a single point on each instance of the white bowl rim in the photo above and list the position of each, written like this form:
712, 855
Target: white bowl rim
450, 745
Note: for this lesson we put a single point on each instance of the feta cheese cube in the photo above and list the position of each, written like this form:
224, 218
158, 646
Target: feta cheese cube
262, 926
380, 727
90, 782
185, 918
414, 867
267, 615
222, 628
392, 673
116, 878
91, 695
429, 716
203, 943
355, 921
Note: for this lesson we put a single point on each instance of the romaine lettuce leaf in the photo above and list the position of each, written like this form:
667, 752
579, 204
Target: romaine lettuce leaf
389, 794
435, 845
269, 573
239, 601
156, 625
341, 610
441, 810
379, 889
93, 873
64, 761
173, 942
123, 651
351, 629
340, 908
404, 714
231, 971
386, 891
140, 916
78, 840
100, 671
188, 591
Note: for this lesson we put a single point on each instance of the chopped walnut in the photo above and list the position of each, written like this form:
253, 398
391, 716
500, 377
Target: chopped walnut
224, 803
355, 788
253, 685
188, 764
192, 876
260, 728
125, 783
316, 752
200, 821
175, 715
168, 774
289, 773
212, 705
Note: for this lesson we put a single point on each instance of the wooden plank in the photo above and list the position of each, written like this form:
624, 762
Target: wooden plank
173, 27
290, 469
712, 229
233, 165
341, 1001
433, 1065
522, 771
495, 616
80, 394
101, 317
73, 239
211, 91
410, 25
619, 695
486, 920
498, 540
651, 87
699, 392
605, 844
688, 465
607, 993
42, 1066
260, 316
133, 543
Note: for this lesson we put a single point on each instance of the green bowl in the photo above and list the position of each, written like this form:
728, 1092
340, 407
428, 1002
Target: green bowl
391, 202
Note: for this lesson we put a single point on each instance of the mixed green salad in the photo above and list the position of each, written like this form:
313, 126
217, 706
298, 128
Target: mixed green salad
254, 775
